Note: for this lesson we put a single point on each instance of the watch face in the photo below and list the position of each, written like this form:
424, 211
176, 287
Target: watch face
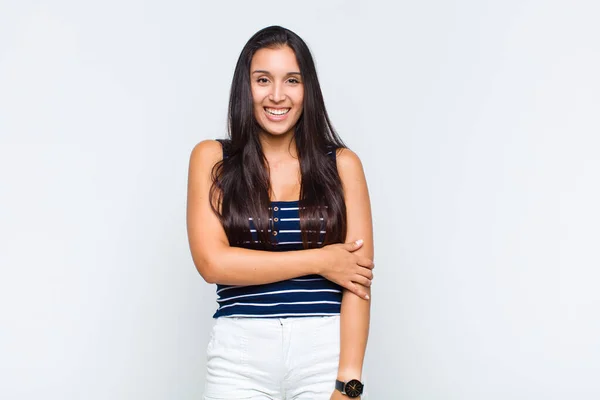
354, 388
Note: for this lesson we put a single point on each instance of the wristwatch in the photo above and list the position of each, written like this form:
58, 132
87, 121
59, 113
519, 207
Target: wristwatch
352, 389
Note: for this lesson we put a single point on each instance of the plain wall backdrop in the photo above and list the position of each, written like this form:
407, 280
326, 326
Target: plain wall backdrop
478, 126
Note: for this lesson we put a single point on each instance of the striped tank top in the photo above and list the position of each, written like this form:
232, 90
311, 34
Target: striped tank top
310, 295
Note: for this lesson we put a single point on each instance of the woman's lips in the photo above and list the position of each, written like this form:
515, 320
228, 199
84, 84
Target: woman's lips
276, 114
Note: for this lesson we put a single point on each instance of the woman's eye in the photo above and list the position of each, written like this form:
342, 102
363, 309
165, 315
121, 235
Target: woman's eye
293, 80
262, 80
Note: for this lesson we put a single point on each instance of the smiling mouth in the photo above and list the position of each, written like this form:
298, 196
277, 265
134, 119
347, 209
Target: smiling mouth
277, 111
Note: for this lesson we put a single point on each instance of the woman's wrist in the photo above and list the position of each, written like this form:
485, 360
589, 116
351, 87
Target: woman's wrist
317, 261
347, 373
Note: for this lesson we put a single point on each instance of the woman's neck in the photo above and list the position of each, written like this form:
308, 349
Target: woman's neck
278, 147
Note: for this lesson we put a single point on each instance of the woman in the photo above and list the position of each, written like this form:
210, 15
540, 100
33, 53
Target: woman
279, 218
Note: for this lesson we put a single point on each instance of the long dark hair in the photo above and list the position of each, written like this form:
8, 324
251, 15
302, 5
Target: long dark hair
241, 184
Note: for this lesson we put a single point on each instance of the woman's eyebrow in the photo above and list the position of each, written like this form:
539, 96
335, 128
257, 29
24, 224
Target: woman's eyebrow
262, 71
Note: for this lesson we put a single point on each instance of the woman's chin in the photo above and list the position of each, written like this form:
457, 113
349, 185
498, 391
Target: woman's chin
274, 130
277, 133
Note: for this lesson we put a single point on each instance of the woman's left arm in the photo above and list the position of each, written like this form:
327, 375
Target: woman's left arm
355, 311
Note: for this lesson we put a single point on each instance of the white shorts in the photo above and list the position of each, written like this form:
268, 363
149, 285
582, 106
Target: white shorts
273, 358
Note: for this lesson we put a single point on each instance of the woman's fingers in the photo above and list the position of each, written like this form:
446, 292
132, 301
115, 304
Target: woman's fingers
366, 262
357, 290
353, 246
367, 273
366, 282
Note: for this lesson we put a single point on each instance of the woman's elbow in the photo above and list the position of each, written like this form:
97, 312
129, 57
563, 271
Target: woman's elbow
208, 270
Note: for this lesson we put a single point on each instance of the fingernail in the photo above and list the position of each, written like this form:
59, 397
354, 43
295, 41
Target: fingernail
367, 296
359, 242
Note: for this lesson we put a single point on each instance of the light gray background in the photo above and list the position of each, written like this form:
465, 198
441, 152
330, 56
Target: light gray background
477, 123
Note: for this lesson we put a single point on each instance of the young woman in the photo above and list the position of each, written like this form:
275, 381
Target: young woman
279, 218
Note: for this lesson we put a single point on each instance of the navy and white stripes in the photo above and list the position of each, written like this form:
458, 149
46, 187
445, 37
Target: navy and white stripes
310, 295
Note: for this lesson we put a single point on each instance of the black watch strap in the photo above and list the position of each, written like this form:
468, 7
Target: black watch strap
339, 385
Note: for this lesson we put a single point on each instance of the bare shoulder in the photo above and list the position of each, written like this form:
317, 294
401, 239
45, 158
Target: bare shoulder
349, 164
206, 154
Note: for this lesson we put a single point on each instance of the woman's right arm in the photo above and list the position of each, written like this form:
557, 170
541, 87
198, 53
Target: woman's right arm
218, 262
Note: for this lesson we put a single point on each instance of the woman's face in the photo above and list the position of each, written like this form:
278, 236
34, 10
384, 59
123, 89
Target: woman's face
277, 89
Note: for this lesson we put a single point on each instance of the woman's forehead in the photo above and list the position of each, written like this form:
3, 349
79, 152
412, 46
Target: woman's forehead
275, 60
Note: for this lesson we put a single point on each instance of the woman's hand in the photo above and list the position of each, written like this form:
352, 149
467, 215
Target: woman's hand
349, 270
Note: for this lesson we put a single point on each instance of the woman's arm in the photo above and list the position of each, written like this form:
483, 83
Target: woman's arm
355, 312
218, 262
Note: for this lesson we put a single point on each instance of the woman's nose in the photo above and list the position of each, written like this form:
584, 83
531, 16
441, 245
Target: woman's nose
277, 93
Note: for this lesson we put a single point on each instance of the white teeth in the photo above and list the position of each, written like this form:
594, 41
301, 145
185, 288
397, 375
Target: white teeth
277, 111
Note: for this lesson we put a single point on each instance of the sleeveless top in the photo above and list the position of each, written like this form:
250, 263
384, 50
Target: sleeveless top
310, 295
